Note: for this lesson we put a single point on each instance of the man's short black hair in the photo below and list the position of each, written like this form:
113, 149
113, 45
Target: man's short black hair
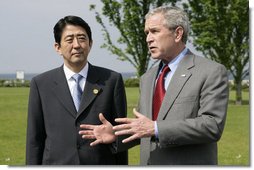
70, 20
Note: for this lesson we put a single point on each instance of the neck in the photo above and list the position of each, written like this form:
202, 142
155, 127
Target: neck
178, 50
76, 68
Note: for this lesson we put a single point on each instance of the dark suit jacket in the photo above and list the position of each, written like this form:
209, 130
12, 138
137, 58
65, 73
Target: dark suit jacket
192, 115
53, 122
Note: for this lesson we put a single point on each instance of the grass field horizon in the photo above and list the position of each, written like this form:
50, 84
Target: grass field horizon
233, 147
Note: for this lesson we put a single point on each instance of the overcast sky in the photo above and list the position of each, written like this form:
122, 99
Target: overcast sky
27, 41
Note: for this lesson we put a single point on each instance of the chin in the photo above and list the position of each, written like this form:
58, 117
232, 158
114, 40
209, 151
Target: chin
155, 57
79, 59
78, 62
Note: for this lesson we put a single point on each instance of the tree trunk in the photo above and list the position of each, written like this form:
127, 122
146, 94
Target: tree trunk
238, 92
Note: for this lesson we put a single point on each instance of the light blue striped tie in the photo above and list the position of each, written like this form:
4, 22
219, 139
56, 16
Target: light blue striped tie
77, 91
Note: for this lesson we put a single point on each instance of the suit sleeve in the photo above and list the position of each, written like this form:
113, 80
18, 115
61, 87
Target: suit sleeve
120, 104
35, 128
207, 126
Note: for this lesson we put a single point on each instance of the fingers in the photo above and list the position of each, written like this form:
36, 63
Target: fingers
136, 113
102, 119
86, 126
88, 137
123, 132
96, 142
86, 132
124, 129
131, 138
129, 120
123, 120
121, 127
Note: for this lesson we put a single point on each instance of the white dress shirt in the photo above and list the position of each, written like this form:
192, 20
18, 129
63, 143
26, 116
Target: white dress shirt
173, 66
71, 82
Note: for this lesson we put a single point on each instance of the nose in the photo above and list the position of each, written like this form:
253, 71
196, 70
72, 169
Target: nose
149, 38
76, 43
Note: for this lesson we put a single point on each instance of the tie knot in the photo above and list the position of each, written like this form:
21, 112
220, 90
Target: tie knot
165, 70
77, 77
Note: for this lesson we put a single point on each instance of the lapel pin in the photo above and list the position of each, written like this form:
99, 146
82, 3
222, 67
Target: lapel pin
95, 91
183, 75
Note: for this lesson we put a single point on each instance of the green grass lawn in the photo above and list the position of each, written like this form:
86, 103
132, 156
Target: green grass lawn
233, 148
13, 115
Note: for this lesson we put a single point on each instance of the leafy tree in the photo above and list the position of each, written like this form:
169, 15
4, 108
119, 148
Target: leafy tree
220, 29
128, 16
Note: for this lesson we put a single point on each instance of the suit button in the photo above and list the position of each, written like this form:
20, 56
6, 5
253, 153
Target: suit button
78, 146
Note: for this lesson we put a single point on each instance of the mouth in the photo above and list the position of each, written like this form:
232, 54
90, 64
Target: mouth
77, 53
152, 48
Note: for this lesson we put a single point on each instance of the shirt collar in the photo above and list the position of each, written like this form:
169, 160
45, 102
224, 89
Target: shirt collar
174, 63
69, 73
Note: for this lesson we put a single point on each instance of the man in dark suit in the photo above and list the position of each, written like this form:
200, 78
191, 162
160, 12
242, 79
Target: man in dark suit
183, 100
59, 102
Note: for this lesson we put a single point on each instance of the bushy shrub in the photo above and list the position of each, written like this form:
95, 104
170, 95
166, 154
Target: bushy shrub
1, 83
245, 87
131, 82
14, 83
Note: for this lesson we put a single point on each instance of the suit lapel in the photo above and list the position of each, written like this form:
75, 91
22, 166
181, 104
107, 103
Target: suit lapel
180, 77
62, 92
92, 89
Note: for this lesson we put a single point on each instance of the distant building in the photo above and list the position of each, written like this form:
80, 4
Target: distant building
20, 75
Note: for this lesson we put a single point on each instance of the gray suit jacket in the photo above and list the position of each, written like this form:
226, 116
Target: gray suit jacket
53, 122
192, 116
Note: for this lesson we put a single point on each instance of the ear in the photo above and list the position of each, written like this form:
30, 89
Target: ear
58, 48
91, 43
179, 34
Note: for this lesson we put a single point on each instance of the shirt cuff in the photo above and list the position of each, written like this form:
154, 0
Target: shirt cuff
156, 130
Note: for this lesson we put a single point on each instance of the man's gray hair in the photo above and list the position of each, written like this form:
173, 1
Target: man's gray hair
174, 17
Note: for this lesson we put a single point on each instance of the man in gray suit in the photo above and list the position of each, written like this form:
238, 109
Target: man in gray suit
183, 100
75, 93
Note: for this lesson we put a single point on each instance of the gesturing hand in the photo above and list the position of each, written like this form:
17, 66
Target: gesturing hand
101, 133
138, 127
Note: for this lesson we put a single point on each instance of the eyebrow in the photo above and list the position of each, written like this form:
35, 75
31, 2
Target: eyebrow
151, 28
72, 35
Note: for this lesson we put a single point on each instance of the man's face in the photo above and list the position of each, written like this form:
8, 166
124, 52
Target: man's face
160, 39
74, 46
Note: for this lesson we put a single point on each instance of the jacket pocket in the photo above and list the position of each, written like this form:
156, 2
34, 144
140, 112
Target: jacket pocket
187, 99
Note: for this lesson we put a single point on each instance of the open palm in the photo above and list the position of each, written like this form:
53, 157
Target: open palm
101, 133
